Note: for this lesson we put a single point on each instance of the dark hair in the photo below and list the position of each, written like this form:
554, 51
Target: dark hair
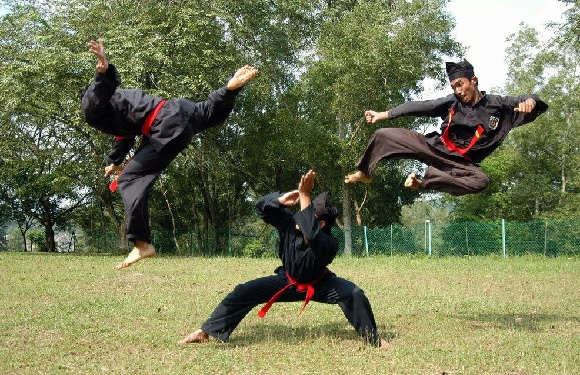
325, 210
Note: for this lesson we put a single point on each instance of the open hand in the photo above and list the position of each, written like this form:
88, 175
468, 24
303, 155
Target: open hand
290, 198
242, 76
307, 182
98, 49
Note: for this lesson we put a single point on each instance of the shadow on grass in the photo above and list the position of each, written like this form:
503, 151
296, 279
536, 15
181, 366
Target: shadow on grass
530, 322
283, 334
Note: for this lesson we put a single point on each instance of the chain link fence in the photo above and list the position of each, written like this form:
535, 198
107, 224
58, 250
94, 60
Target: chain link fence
545, 237
542, 237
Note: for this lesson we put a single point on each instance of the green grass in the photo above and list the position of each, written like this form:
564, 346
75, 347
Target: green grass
70, 314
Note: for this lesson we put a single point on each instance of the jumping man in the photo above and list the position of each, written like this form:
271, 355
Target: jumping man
474, 125
166, 126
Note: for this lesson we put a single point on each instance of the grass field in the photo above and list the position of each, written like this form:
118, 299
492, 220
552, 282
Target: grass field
71, 314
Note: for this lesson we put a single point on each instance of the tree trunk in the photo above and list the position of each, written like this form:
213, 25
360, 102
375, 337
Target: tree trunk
49, 238
563, 178
347, 221
122, 232
173, 229
120, 223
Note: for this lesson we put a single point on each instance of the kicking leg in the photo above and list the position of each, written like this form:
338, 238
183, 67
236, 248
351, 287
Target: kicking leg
388, 143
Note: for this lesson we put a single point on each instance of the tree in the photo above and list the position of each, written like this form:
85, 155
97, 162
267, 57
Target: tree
372, 54
535, 172
41, 169
171, 49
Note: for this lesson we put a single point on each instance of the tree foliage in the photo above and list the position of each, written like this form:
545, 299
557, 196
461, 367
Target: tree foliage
535, 173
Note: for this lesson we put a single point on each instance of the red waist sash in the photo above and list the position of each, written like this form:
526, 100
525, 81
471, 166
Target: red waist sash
145, 130
308, 287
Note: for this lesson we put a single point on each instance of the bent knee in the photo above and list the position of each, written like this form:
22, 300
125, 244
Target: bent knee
357, 292
481, 183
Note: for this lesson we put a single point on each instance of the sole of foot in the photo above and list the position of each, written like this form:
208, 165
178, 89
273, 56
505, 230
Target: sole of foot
357, 177
136, 255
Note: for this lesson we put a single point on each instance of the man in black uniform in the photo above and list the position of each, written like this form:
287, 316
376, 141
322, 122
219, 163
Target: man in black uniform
474, 125
307, 247
167, 128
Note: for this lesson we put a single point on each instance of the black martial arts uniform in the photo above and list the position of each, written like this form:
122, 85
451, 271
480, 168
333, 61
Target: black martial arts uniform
469, 133
167, 128
302, 263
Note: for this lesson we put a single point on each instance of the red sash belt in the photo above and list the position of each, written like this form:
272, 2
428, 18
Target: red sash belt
150, 118
145, 129
308, 287
452, 146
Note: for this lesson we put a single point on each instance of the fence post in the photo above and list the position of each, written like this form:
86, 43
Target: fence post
366, 240
428, 237
391, 239
503, 251
545, 237
229, 241
466, 239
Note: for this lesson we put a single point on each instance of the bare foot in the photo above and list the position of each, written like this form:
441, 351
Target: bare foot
242, 76
198, 336
384, 344
412, 182
357, 176
141, 250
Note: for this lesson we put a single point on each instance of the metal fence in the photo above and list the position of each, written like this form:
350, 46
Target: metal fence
505, 238
545, 237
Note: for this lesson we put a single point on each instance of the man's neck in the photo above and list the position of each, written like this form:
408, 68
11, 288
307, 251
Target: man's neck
477, 98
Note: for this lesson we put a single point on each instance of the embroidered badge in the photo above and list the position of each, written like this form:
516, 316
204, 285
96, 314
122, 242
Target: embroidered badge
493, 122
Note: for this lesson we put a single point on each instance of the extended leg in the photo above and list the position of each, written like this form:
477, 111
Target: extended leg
235, 306
389, 143
354, 304
455, 178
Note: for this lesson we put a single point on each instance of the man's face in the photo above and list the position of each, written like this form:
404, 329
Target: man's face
465, 89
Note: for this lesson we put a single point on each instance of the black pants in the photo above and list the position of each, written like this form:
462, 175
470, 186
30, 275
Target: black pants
450, 175
331, 289
172, 131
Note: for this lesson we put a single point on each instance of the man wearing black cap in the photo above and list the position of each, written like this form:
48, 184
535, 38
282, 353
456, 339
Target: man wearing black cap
306, 248
474, 125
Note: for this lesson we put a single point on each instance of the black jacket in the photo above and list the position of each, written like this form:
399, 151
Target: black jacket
494, 113
122, 112
303, 262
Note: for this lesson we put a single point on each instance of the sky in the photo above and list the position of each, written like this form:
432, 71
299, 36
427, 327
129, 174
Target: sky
484, 25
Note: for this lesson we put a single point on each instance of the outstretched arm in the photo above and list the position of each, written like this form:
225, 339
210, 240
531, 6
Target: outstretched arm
374, 116
98, 49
